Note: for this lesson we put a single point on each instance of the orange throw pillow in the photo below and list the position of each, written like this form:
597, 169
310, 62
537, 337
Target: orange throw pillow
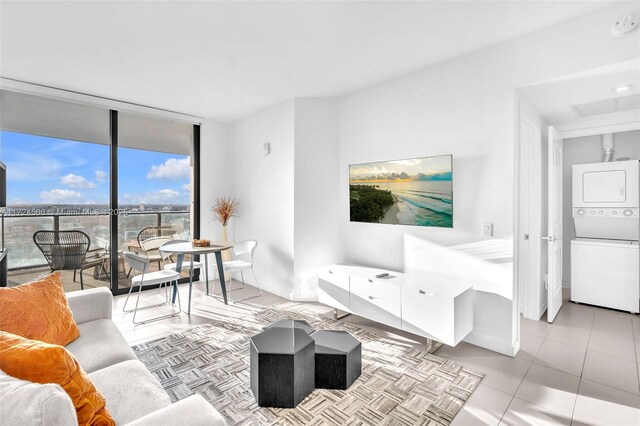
41, 362
38, 310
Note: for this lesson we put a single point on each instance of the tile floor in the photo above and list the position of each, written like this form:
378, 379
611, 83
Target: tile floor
580, 370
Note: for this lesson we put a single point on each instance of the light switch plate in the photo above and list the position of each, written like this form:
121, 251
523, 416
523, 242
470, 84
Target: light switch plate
487, 229
266, 148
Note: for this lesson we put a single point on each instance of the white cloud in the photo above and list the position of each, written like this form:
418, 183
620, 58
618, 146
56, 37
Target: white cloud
186, 187
22, 169
173, 168
101, 175
75, 181
56, 196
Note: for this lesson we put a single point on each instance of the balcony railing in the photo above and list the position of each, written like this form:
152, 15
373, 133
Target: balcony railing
17, 231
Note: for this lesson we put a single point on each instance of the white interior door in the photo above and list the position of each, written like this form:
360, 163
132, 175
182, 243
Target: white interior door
555, 252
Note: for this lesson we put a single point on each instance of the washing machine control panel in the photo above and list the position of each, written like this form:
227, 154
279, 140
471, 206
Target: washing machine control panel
604, 212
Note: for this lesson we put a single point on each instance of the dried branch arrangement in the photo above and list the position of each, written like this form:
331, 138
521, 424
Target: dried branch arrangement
224, 209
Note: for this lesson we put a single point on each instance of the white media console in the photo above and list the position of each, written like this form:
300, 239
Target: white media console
442, 311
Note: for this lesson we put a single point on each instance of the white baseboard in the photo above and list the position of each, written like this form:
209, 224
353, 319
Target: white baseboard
278, 290
271, 288
304, 297
493, 344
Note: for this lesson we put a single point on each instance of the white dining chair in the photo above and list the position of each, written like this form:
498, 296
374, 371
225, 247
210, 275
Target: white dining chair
242, 261
141, 264
185, 264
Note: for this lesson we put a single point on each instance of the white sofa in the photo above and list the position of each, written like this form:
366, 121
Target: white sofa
134, 397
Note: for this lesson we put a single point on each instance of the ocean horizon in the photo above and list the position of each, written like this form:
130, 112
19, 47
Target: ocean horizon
418, 202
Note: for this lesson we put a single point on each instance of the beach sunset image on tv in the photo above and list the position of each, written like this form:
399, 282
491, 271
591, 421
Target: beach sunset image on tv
418, 192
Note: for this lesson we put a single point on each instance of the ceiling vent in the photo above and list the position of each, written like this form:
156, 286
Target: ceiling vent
623, 103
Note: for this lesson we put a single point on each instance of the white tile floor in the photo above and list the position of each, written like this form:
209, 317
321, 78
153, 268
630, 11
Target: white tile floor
582, 369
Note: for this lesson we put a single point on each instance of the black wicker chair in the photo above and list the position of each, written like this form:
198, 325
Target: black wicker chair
67, 251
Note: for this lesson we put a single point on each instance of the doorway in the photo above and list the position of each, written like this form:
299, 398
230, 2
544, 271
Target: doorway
559, 124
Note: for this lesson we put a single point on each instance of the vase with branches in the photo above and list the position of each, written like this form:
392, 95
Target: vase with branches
223, 210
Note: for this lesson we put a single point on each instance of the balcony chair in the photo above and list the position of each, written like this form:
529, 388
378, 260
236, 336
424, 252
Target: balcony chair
151, 249
162, 277
242, 261
153, 232
69, 251
149, 233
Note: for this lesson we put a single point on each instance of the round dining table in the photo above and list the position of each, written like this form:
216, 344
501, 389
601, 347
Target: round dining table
183, 248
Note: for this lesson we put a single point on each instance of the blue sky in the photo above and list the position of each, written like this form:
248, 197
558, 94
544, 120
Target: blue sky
43, 170
440, 165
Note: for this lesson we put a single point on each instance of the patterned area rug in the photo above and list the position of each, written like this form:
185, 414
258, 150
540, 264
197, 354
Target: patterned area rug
399, 385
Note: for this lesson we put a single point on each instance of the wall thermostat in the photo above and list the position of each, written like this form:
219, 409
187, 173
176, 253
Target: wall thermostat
625, 24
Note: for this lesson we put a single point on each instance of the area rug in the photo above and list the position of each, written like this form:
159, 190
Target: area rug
399, 385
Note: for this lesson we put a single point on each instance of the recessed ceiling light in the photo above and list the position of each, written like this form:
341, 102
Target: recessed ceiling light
622, 88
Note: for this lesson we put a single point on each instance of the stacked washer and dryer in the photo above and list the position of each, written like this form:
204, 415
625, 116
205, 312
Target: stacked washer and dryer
605, 256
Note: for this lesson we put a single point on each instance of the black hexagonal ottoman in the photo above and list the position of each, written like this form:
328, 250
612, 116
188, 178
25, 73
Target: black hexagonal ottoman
338, 359
288, 323
282, 367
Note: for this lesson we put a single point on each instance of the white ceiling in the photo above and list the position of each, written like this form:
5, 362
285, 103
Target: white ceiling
554, 100
224, 60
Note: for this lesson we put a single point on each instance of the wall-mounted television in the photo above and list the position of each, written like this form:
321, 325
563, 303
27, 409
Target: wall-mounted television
416, 191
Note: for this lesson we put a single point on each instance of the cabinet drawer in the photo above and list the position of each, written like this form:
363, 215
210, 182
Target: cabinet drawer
336, 278
333, 289
363, 287
376, 309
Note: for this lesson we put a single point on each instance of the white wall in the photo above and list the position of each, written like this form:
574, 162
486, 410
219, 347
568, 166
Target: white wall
215, 182
465, 107
531, 130
587, 149
264, 186
316, 223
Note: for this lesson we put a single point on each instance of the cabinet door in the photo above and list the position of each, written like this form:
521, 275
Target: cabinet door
334, 289
428, 315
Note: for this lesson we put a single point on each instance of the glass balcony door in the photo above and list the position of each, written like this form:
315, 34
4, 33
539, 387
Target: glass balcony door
155, 170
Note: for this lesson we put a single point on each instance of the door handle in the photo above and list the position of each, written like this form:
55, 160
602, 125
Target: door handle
372, 298
425, 293
370, 281
550, 238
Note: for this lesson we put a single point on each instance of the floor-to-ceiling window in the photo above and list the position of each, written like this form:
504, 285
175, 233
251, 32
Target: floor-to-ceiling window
60, 159
57, 158
155, 170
